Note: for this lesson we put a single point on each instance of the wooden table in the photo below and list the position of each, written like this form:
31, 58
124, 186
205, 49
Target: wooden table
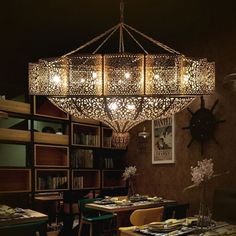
225, 230
29, 216
124, 212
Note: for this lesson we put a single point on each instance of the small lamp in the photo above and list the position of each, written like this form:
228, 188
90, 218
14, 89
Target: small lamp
144, 134
230, 80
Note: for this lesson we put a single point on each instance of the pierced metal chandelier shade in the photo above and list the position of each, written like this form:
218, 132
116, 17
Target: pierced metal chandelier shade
123, 89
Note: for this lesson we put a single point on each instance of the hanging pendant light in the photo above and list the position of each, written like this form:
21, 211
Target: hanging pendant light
122, 89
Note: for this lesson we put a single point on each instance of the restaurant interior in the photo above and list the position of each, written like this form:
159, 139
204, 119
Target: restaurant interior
118, 118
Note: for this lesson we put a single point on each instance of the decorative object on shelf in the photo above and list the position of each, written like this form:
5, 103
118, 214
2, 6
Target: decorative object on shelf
129, 175
201, 174
202, 124
230, 81
163, 148
123, 89
48, 129
59, 131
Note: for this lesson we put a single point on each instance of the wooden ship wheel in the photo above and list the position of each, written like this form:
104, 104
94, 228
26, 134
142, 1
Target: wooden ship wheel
202, 124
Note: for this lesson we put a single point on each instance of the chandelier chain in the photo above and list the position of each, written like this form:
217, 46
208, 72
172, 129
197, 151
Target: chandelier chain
105, 40
136, 41
91, 41
165, 47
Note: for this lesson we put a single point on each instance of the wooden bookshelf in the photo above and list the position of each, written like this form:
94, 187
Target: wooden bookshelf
85, 135
51, 156
14, 135
15, 107
51, 180
82, 158
85, 179
107, 138
15, 180
85, 121
43, 107
112, 179
48, 138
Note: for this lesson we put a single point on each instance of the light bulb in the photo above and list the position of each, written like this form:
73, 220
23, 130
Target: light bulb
56, 79
156, 76
113, 106
131, 106
119, 81
82, 80
94, 75
127, 75
186, 78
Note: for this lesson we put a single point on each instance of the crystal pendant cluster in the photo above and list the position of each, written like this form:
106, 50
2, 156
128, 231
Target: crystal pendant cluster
123, 89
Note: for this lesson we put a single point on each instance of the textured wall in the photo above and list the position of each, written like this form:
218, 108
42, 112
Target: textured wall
168, 180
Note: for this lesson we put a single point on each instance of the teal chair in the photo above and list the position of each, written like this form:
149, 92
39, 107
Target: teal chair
92, 217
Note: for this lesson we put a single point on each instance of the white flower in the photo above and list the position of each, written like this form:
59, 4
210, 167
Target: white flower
129, 172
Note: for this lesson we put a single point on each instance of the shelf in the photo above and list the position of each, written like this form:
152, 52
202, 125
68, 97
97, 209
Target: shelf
112, 179
85, 135
15, 180
82, 158
14, 135
40, 137
51, 156
43, 107
86, 121
51, 180
15, 107
107, 138
85, 179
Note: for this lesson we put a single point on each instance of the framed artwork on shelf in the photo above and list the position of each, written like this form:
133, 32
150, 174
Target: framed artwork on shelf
163, 148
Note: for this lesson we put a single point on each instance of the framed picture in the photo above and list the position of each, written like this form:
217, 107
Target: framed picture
163, 141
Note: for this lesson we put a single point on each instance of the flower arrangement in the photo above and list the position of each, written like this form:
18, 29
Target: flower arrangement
202, 172
129, 172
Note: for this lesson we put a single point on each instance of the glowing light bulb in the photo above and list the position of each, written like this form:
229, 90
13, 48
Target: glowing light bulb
131, 106
56, 79
119, 81
82, 80
127, 75
156, 76
94, 75
186, 78
113, 106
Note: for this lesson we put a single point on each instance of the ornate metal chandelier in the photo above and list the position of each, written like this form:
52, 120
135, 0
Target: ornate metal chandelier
123, 89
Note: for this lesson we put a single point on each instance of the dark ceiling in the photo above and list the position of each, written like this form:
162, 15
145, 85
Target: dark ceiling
34, 29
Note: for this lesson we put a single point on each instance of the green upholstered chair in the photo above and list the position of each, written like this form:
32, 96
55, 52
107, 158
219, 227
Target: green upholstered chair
91, 217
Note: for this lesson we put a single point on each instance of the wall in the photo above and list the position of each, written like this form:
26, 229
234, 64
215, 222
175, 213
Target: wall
169, 180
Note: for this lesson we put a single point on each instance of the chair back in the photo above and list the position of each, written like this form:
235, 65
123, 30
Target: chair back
224, 205
176, 211
146, 216
82, 205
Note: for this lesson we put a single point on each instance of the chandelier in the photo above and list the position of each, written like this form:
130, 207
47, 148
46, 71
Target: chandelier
122, 89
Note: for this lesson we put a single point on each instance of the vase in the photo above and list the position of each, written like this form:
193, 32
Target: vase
204, 215
131, 190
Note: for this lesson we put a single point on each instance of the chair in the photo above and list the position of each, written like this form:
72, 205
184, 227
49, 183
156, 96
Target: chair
176, 211
90, 217
146, 216
224, 205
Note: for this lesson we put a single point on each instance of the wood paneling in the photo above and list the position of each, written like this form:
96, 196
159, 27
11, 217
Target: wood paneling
51, 138
16, 107
14, 135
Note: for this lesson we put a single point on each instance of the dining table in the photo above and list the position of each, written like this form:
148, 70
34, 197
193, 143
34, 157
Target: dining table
220, 229
123, 211
27, 216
